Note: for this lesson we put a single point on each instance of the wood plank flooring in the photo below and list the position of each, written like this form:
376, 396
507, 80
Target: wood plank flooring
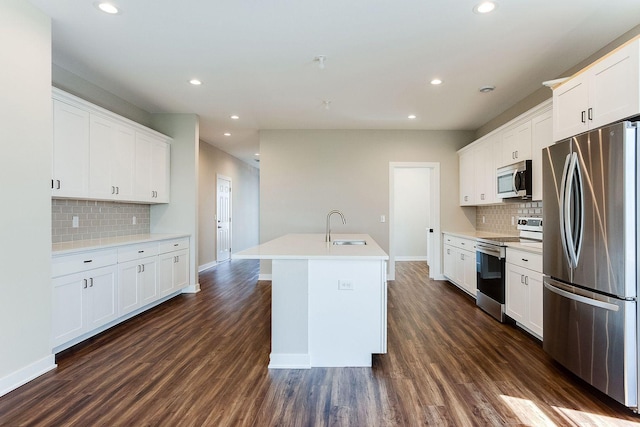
201, 360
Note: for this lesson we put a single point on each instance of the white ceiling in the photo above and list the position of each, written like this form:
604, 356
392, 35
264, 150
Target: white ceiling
256, 58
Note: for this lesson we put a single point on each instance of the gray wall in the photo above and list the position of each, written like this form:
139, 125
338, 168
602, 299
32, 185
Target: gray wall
245, 199
25, 170
306, 173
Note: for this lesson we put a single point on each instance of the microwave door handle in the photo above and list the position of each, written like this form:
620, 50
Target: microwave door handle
513, 181
561, 206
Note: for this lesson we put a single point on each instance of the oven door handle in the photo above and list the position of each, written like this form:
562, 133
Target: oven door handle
488, 250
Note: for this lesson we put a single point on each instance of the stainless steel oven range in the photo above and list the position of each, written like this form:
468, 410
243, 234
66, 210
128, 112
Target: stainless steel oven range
490, 265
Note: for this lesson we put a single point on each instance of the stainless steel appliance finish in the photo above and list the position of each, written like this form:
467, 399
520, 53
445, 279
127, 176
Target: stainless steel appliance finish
514, 181
590, 258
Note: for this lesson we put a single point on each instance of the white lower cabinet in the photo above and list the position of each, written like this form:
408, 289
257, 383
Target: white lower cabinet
524, 290
96, 289
460, 262
82, 302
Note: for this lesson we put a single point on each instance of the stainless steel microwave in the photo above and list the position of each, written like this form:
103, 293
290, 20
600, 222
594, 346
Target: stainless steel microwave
514, 181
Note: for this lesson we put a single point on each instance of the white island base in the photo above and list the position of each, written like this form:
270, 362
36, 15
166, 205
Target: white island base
328, 306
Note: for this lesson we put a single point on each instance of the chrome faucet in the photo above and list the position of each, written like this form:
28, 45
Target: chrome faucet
327, 237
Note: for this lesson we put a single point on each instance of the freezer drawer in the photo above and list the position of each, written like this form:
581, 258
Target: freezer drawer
593, 336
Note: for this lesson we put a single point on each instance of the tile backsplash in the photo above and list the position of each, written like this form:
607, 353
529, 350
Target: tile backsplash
96, 219
498, 218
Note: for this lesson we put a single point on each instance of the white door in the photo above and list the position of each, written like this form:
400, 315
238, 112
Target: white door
223, 218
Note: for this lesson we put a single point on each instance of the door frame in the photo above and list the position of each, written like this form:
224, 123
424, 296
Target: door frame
227, 178
433, 250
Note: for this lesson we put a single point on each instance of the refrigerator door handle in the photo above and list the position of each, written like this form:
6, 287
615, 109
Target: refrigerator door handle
561, 210
580, 298
573, 241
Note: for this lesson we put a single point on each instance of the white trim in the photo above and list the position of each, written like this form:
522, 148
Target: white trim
411, 258
435, 265
207, 266
226, 178
265, 276
26, 374
191, 289
289, 361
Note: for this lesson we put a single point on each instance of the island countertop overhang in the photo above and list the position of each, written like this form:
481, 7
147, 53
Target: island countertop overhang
313, 246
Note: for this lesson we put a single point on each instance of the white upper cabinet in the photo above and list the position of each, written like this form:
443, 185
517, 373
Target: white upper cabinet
541, 137
485, 171
100, 155
516, 144
70, 151
605, 92
467, 178
112, 155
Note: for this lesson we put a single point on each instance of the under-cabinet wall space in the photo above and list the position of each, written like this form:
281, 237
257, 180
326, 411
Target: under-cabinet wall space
96, 219
502, 218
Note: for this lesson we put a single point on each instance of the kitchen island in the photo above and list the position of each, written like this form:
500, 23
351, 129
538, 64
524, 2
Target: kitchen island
328, 301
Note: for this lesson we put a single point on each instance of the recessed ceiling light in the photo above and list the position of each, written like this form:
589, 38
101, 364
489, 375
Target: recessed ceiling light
107, 8
235, 117
256, 154
411, 116
485, 7
485, 89
195, 82
436, 82
227, 134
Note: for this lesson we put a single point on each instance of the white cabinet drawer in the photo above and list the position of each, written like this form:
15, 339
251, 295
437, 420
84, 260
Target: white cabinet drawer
133, 252
74, 263
173, 245
525, 259
460, 242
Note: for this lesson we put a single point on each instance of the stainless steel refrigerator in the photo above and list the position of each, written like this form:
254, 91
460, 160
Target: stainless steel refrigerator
590, 258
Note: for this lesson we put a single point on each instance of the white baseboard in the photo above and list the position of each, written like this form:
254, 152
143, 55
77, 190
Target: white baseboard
26, 374
191, 289
207, 266
289, 361
264, 277
411, 258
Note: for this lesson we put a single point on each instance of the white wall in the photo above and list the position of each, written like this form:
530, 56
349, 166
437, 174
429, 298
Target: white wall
411, 212
25, 171
245, 199
306, 173
181, 215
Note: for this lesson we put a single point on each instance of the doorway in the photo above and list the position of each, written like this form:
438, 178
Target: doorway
424, 179
223, 218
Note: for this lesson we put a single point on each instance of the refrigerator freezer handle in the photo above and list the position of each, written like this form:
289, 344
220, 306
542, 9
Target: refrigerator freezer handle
580, 298
561, 210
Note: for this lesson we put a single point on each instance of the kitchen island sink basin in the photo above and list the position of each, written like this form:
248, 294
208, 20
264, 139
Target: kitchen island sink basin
349, 242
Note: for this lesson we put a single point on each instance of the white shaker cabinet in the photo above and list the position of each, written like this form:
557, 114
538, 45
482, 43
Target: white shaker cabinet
152, 169
516, 144
70, 151
467, 177
605, 92
460, 262
137, 276
541, 137
524, 293
112, 151
485, 171
173, 266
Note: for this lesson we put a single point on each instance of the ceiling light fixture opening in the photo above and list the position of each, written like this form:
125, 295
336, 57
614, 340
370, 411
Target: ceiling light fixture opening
436, 82
320, 60
256, 154
227, 134
234, 117
195, 82
327, 105
487, 89
411, 116
107, 8
485, 7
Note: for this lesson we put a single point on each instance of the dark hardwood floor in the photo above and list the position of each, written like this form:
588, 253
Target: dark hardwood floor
201, 360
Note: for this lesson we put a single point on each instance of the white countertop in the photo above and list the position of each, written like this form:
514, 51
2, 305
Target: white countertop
313, 246
65, 248
534, 247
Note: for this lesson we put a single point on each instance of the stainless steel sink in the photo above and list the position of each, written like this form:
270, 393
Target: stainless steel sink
349, 242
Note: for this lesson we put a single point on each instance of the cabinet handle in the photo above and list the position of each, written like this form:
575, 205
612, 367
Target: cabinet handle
117, 190
58, 181
140, 252
52, 184
462, 257
139, 269
86, 261
176, 259
521, 278
448, 251
176, 244
526, 280
582, 117
525, 260
142, 268
85, 284
590, 113
113, 190
517, 154
91, 282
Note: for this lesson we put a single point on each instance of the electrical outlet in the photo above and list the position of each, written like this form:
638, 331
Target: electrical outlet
383, 218
513, 220
75, 222
483, 221
345, 285
134, 221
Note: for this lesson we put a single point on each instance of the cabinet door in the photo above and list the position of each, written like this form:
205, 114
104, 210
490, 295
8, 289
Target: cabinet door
152, 169
535, 288
181, 270
467, 177
128, 287
541, 137
101, 291
68, 321
449, 261
516, 293
70, 151
101, 147
160, 179
485, 172
458, 275
570, 102
614, 87
147, 278
123, 162
143, 168
516, 144
469, 280
165, 273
